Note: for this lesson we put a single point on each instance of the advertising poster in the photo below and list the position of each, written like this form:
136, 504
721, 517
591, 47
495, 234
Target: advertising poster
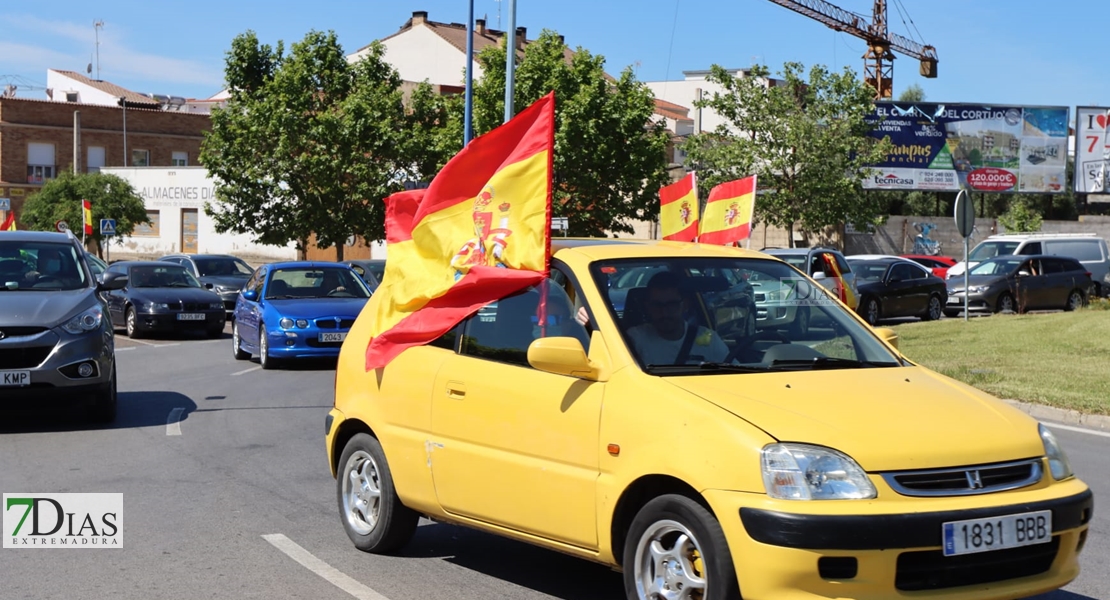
1092, 150
949, 147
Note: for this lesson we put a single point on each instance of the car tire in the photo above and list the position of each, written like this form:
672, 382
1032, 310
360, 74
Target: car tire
371, 511
131, 323
237, 343
872, 310
695, 553
799, 327
1005, 303
105, 401
935, 309
1075, 300
264, 359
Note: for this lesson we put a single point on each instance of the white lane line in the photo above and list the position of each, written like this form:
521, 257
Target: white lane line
246, 371
118, 349
1079, 430
329, 573
173, 423
143, 343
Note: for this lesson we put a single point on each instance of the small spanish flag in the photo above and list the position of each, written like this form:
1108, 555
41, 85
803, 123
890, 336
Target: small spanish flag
86, 208
728, 212
479, 232
9, 223
678, 216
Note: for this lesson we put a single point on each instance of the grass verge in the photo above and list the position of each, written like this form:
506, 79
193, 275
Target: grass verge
1057, 359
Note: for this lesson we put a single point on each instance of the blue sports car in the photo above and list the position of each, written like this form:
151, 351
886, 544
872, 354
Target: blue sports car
297, 309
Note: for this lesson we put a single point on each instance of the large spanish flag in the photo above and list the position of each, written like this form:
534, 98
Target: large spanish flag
479, 232
728, 212
678, 210
86, 211
9, 223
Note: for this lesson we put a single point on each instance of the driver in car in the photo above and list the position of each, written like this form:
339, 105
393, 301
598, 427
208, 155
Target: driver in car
50, 266
666, 334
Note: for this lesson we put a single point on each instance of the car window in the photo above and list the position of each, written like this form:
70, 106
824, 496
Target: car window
868, 272
162, 276
40, 266
315, 282
999, 266
904, 272
701, 297
988, 250
1053, 265
222, 267
1030, 249
1086, 250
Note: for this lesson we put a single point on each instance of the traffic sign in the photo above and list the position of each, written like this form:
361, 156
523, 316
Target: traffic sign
107, 227
965, 214
5, 203
61, 226
559, 223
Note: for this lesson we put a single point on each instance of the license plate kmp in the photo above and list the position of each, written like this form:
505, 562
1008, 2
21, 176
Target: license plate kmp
997, 533
15, 378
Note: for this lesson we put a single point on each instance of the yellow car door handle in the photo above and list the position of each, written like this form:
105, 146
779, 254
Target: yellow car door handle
456, 390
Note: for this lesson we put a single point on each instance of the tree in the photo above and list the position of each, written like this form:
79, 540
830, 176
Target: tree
308, 143
806, 139
914, 93
609, 158
60, 199
1023, 215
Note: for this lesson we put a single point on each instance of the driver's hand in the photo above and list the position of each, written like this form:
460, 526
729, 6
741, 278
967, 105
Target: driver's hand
31, 275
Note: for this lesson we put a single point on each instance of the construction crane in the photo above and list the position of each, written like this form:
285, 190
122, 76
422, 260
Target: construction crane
878, 65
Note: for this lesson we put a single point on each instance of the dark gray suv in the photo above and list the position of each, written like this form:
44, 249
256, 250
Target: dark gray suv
56, 342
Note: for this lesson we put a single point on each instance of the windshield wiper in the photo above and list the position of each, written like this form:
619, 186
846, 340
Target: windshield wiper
830, 362
706, 366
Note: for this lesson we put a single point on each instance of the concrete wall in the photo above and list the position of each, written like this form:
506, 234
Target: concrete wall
898, 234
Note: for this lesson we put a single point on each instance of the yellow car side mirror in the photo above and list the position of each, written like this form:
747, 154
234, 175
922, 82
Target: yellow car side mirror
562, 356
889, 335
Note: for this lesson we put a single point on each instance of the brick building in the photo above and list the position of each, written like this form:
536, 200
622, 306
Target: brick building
37, 139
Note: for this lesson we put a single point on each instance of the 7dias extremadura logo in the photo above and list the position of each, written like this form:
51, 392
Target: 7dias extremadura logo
63, 520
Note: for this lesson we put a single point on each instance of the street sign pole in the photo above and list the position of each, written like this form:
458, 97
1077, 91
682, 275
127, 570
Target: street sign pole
965, 223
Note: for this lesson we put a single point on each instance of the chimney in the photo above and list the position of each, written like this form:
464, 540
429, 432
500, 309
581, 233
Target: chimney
419, 16
562, 42
521, 36
480, 26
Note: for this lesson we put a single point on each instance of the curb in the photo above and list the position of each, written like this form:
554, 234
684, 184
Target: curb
1061, 415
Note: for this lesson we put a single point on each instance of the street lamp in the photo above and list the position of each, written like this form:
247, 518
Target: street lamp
123, 103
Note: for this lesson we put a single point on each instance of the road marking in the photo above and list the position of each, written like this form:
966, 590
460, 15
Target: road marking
329, 573
1079, 430
173, 423
143, 343
118, 349
246, 371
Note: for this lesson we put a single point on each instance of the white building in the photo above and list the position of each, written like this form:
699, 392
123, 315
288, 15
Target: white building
694, 86
174, 198
73, 87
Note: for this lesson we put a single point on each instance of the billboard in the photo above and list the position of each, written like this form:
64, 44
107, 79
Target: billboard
949, 147
1092, 150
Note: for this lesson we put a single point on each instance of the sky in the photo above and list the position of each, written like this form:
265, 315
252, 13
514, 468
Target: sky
1000, 52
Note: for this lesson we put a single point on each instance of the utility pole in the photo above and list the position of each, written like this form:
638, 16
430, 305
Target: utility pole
469, 102
97, 26
76, 140
123, 103
510, 58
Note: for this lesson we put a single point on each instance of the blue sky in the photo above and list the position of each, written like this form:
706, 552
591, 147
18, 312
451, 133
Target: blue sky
1013, 52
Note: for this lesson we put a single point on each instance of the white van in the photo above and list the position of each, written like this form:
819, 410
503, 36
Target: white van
1087, 248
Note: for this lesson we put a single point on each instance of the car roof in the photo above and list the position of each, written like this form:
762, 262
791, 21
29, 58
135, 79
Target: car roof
199, 256
137, 263
613, 248
311, 264
35, 236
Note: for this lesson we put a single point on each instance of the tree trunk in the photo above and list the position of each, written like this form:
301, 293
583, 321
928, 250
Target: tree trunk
339, 252
790, 235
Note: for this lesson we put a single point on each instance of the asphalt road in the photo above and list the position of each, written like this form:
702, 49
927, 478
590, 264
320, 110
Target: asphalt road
227, 494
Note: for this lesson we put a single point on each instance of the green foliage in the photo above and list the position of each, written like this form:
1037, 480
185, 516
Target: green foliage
111, 197
914, 93
609, 151
311, 144
1023, 215
805, 138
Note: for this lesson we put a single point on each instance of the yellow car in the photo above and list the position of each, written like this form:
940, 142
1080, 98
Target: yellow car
673, 440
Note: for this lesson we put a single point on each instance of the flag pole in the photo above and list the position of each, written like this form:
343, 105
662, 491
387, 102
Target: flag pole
751, 215
467, 129
510, 58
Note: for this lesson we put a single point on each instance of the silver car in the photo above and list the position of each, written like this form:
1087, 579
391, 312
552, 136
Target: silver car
56, 341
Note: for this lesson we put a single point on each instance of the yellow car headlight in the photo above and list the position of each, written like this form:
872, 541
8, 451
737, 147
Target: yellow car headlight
805, 472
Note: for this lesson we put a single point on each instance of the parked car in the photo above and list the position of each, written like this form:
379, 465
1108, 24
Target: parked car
826, 462
161, 297
822, 265
297, 309
221, 273
897, 287
370, 270
1091, 251
939, 265
56, 346
1021, 283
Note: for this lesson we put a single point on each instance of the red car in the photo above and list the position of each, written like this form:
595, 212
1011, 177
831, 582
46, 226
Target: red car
938, 264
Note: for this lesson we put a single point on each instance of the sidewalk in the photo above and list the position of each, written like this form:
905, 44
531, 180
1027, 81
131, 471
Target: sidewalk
1065, 416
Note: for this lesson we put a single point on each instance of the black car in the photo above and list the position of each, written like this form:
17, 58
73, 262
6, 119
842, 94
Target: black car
221, 273
371, 270
163, 297
897, 287
1016, 283
56, 343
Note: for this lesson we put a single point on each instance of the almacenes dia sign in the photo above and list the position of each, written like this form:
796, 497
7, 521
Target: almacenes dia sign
63, 520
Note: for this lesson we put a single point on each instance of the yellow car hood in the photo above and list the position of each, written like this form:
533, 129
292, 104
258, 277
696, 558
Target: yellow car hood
884, 418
